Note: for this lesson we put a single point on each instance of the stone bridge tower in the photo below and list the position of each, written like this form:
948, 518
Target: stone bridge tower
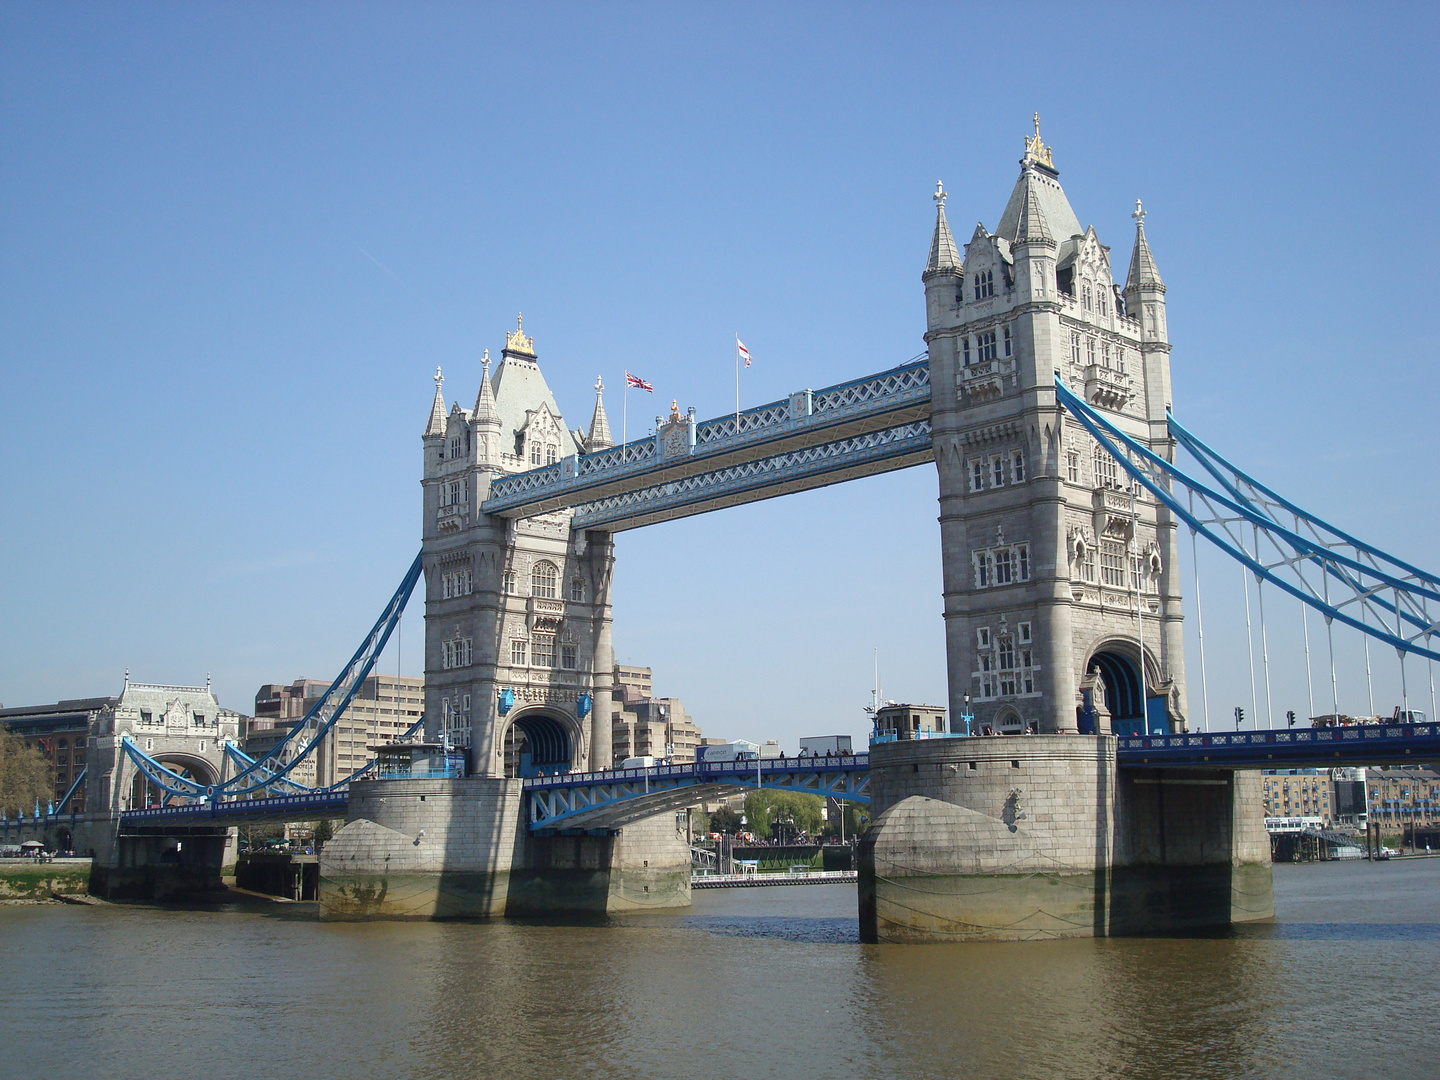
1055, 570
518, 658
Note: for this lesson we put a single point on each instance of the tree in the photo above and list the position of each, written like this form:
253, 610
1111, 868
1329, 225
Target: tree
322, 830
763, 807
699, 821
25, 776
725, 820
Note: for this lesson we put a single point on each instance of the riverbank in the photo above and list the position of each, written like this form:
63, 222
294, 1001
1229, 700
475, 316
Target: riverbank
33, 881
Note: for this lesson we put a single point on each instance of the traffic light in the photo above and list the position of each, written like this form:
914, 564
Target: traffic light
1291, 717
1239, 717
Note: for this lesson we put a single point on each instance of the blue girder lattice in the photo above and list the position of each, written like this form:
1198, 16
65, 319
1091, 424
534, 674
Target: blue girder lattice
1345, 579
615, 797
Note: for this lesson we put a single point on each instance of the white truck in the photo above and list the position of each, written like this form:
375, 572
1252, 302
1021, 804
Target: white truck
820, 745
739, 750
645, 762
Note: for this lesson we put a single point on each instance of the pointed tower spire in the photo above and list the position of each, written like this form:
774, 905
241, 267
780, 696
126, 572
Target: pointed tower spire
485, 399
944, 258
436, 426
1031, 224
598, 438
1142, 264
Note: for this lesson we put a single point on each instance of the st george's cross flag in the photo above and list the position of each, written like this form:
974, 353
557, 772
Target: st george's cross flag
638, 383
743, 352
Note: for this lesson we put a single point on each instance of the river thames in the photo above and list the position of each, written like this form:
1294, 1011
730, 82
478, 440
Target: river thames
768, 982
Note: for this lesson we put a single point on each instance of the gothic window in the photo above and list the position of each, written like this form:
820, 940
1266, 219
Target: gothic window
983, 569
987, 676
984, 284
997, 471
542, 650
569, 659
1106, 471
1072, 466
1004, 572
1075, 348
1007, 339
534, 451
1022, 631
982, 636
577, 590
455, 653
987, 346
507, 582
1101, 302
1120, 358
457, 583
1017, 466
1112, 563
977, 475
1006, 658
517, 652
965, 350
544, 581
1085, 291
552, 455
1105, 354
1090, 351
1022, 561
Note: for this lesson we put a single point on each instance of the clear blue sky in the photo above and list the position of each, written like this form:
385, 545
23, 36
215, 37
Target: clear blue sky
238, 239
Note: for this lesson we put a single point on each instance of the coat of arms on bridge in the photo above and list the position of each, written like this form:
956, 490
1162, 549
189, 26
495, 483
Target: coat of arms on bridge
677, 434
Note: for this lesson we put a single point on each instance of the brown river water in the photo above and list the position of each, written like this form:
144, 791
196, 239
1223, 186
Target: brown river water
749, 983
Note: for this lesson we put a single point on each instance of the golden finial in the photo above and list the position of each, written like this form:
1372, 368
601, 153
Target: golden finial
674, 410
517, 342
1037, 151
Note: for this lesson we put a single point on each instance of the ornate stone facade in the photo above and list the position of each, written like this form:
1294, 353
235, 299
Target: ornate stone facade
1055, 569
518, 664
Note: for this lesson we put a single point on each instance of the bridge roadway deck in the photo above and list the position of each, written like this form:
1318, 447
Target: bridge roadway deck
582, 801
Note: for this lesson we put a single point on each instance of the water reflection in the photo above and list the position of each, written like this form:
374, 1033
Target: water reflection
753, 983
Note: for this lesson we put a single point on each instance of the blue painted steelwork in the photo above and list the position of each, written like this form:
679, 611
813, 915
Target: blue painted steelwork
895, 447
777, 443
612, 798
285, 755
280, 808
1374, 587
70, 791
1369, 744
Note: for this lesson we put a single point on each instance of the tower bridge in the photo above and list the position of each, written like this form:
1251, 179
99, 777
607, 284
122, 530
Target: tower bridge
1044, 401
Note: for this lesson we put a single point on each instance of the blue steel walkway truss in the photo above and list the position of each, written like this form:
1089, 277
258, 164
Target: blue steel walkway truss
608, 800
813, 438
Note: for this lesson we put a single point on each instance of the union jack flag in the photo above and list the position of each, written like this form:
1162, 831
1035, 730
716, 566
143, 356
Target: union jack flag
639, 383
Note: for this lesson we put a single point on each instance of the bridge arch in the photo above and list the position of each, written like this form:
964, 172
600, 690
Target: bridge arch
540, 740
142, 793
1118, 665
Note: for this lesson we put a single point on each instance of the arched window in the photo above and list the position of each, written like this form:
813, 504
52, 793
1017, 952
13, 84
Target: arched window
552, 454
544, 580
577, 590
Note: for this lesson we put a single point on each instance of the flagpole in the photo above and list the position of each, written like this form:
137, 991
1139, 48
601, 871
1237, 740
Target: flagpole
737, 384
625, 411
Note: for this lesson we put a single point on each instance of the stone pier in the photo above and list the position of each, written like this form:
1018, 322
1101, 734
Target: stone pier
458, 848
1008, 838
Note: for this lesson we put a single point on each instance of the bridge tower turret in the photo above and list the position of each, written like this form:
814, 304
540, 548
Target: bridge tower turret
1054, 570
518, 664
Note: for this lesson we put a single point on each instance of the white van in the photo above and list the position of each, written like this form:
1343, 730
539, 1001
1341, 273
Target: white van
646, 762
